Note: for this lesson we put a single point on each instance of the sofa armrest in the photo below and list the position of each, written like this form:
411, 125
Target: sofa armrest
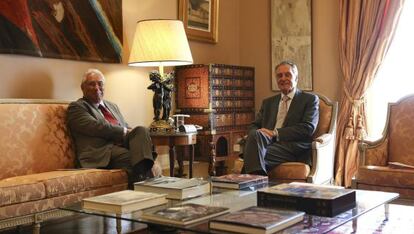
323, 156
373, 152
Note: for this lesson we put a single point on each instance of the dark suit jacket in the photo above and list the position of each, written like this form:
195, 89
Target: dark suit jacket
94, 137
300, 123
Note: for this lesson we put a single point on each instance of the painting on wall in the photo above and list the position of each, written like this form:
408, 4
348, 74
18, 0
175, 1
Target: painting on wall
200, 18
89, 30
291, 38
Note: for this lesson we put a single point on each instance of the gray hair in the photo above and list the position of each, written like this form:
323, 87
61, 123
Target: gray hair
93, 72
291, 64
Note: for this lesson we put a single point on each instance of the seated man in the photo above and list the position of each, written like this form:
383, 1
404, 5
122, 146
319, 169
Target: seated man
102, 137
283, 128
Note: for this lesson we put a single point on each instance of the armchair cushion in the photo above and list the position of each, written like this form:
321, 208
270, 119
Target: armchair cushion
290, 170
386, 176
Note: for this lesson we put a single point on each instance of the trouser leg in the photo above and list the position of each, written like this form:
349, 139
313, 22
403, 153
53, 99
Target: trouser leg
120, 159
139, 143
276, 154
255, 151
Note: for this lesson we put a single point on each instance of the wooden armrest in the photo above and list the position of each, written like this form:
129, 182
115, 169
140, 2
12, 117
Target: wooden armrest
322, 140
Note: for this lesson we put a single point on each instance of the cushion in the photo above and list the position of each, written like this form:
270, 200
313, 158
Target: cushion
325, 116
31, 133
61, 182
290, 170
52, 203
386, 176
401, 131
18, 190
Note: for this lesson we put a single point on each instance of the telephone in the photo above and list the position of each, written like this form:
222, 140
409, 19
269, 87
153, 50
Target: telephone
189, 128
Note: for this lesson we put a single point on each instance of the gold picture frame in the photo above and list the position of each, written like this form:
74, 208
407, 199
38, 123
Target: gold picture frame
200, 18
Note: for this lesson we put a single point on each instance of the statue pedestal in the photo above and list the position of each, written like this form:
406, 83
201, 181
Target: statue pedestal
162, 126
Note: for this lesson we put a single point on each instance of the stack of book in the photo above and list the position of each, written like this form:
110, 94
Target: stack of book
184, 214
123, 201
238, 181
313, 199
256, 220
175, 188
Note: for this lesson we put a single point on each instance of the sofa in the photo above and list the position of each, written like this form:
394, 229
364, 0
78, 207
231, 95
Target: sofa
37, 166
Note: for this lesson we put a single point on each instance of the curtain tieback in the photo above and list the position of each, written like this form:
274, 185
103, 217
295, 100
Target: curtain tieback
355, 128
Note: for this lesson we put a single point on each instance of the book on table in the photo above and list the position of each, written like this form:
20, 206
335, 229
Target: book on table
174, 187
184, 214
238, 181
313, 199
123, 202
256, 220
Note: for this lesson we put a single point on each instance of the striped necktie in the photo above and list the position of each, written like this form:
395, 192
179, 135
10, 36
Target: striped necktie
281, 114
108, 115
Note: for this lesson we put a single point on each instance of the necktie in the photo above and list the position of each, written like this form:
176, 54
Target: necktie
108, 115
281, 114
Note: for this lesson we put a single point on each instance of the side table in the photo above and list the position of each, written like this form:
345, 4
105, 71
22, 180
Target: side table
173, 139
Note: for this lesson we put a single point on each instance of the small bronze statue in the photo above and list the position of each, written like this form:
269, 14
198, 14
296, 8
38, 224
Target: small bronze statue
158, 89
168, 85
163, 87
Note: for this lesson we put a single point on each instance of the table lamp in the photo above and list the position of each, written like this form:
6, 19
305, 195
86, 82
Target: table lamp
160, 43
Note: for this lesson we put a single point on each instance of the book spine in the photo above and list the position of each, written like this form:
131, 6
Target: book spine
321, 207
310, 206
251, 184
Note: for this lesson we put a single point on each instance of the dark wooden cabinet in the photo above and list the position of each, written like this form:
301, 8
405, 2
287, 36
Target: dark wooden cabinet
220, 98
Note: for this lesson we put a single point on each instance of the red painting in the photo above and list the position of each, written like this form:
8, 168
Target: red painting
88, 30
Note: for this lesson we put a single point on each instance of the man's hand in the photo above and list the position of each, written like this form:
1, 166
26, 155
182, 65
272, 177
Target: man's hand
268, 132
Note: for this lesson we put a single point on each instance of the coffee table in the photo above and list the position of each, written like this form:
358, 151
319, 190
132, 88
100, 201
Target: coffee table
237, 200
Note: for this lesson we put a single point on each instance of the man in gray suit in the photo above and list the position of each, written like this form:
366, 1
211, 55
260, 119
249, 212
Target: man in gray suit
283, 128
102, 137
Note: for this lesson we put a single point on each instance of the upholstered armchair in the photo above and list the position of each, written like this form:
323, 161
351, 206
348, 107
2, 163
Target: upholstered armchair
387, 164
323, 151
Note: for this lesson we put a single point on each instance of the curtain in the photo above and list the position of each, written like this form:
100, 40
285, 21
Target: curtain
365, 33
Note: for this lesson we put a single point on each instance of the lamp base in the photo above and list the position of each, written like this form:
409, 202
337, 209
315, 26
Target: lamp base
162, 126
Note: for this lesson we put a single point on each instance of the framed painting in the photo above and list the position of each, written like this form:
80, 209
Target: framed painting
65, 29
200, 18
291, 38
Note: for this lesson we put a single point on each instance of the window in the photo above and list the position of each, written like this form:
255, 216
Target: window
395, 78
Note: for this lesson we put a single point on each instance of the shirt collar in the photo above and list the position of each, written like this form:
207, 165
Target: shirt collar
290, 95
97, 104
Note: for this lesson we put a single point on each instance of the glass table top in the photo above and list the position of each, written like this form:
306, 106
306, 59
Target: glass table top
239, 199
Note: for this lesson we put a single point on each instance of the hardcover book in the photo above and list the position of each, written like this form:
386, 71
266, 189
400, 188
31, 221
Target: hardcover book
238, 181
123, 201
185, 214
174, 187
313, 199
257, 220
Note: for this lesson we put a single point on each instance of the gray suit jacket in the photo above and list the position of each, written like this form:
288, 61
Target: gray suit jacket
300, 123
94, 137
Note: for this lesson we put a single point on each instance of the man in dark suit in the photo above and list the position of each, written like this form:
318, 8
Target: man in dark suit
102, 137
283, 128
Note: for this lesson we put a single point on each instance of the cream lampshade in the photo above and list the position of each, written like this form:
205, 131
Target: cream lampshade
160, 43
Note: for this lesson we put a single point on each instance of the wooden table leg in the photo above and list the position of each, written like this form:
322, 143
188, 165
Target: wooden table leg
118, 224
212, 164
190, 167
172, 160
180, 161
